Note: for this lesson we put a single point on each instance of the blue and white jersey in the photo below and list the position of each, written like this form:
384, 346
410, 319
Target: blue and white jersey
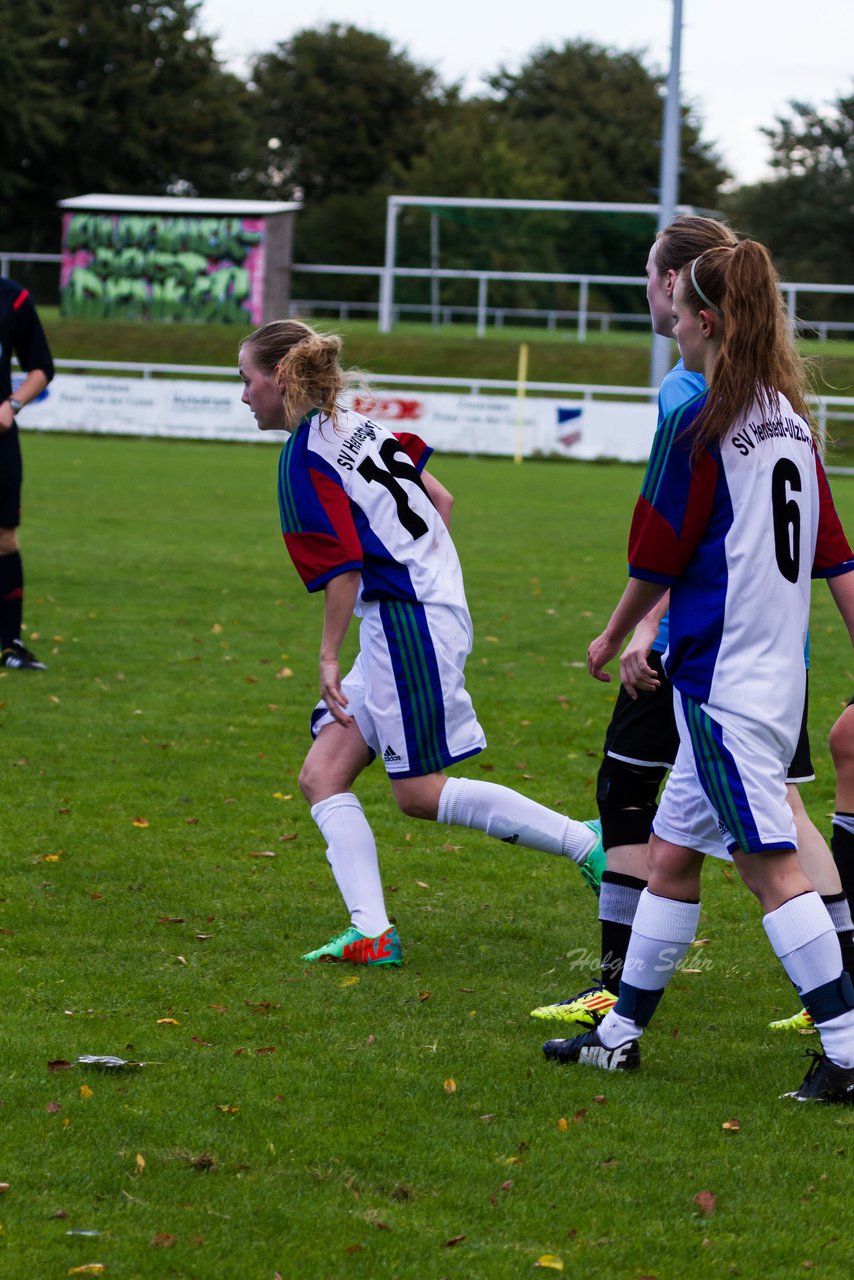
353, 498
735, 533
677, 386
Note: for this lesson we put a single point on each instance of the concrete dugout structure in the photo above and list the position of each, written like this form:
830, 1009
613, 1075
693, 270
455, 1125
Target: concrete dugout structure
176, 258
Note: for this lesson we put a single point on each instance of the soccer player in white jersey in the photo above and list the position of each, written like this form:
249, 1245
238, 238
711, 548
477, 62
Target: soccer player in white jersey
641, 739
734, 517
368, 526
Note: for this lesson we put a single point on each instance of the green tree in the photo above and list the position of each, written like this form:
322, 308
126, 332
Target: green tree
339, 110
34, 115
579, 122
804, 212
146, 109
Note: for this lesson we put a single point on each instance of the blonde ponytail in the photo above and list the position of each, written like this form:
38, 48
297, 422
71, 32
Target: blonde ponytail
305, 364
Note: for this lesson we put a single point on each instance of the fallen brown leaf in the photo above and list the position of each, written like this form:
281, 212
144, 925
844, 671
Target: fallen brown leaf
705, 1202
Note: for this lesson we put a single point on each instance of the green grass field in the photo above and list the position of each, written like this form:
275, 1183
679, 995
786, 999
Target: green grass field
163, 876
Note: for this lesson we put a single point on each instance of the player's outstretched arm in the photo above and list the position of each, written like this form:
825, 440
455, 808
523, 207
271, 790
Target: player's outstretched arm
635, 603
635, 671
339, 599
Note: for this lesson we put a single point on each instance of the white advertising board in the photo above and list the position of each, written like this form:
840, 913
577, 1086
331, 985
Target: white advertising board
449, 422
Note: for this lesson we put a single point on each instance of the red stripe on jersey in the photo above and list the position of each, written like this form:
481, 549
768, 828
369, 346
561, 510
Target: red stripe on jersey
414, 445
318, 553
656, 545
831, 548
21, 299
336, 504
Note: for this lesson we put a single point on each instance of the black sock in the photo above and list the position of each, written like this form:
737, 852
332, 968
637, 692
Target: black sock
618, 903
842, 844
11, 598
840, 914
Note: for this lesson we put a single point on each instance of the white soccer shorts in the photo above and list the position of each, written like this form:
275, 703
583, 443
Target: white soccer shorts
727, 789
407, 691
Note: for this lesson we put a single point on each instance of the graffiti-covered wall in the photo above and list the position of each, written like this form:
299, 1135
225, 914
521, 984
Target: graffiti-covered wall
155, 267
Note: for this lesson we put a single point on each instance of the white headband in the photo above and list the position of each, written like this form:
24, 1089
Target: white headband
699, 291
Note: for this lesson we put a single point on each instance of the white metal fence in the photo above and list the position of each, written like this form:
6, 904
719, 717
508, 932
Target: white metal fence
581, 318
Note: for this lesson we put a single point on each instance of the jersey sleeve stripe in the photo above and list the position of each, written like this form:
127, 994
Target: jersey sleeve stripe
287, 502
663, 443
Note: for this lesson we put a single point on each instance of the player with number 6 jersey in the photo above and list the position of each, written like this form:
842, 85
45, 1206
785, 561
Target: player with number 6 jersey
368, 526
734, 516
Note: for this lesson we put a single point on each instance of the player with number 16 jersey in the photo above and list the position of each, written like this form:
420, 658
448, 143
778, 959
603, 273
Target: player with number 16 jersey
367, 526
334, 488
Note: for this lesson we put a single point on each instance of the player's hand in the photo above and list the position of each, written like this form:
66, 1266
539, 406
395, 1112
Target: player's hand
600, 653
635, 672
331, 692
7, 417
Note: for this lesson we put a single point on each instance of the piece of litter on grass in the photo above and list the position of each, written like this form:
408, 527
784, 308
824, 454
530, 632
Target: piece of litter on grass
107, 1062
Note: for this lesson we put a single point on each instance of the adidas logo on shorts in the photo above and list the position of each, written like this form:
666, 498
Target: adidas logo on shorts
390, 756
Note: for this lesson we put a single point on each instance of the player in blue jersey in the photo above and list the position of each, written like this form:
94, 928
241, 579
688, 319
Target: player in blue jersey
641, 739
21, 334
734, 517
367, 526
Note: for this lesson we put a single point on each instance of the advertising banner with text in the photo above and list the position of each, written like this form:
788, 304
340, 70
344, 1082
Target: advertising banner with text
449, 422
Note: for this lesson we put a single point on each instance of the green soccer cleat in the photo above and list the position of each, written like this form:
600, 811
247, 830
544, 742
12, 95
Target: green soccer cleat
354, 948
587, 1009
594, 864
798, 1022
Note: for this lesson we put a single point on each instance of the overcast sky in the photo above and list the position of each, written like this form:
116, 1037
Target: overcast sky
743, 61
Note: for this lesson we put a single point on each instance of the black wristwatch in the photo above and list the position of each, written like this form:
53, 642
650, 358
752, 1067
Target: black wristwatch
16, 404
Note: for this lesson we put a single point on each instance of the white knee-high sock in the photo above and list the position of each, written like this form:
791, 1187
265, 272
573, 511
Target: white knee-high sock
509, 816
352, 855
662, 931
807, 945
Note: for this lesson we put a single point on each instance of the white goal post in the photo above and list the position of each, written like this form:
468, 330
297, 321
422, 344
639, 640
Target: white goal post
394, 205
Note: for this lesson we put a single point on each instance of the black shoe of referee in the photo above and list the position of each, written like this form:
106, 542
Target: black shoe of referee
19, 658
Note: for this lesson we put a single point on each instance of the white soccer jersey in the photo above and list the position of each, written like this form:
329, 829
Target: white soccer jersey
352, 498
736, 534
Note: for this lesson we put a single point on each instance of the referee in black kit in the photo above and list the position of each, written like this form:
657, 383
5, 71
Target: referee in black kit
21, 334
